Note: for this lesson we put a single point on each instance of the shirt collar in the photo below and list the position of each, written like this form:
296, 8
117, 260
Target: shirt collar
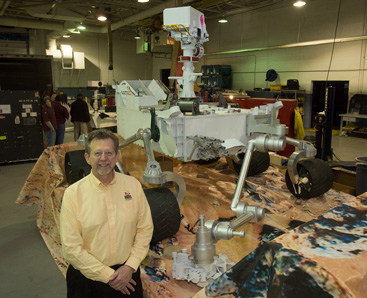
97, 182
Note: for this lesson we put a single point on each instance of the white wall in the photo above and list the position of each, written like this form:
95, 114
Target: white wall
288, 25
126, 63
160, 61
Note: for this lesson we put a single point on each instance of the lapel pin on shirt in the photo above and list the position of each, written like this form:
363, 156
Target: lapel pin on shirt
128, 196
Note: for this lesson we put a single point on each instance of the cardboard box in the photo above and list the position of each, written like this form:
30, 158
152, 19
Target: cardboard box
278, 161
344, 180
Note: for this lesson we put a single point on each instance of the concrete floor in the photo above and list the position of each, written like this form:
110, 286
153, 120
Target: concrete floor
348, 148
27, 269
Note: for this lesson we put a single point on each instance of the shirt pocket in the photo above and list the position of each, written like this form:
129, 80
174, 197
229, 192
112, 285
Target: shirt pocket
128, 212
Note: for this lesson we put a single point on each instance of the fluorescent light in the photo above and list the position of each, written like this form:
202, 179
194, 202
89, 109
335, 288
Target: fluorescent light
223, 20
102, 18
66, 36
299, 3
143, 1
81, 27
137, 34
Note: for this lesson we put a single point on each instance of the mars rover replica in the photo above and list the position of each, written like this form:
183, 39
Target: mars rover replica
190, 131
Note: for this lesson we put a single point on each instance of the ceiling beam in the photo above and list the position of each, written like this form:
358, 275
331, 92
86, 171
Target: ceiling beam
4, 6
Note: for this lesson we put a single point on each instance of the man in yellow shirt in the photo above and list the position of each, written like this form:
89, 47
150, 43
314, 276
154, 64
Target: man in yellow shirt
105, 226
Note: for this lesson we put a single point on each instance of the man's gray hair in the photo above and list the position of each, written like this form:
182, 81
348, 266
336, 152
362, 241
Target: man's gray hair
101, 134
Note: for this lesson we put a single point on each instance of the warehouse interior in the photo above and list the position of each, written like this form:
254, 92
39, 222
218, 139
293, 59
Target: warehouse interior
320, 45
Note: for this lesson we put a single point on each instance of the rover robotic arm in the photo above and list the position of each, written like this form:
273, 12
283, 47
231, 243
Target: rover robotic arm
153, 173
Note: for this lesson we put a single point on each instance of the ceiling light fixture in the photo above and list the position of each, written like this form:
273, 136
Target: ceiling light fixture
143, 1
81, 27
137, 35
66, 36
101, 17
299, 3
223, 19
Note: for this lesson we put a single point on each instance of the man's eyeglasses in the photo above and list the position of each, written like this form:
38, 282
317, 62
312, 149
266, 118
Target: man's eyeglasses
107, 153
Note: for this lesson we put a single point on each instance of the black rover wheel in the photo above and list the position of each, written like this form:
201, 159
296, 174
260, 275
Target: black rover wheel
319, 175
84, 171
259, 163
75, 166
165, 212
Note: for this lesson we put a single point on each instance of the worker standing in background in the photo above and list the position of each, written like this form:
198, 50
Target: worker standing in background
201, 92
49, 122
62, 115
79, 112
53, 97
105, 226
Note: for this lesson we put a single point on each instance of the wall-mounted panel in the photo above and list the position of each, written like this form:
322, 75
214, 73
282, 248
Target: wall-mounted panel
21, 136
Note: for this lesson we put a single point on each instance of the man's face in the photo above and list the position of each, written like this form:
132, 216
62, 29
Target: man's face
102, 157
48, 103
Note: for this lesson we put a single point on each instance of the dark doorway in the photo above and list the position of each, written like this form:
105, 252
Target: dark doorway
164, 76
341, 98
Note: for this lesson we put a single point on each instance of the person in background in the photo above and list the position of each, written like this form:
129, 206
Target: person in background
62, 115
49, 122
105, 226
53, 98
79, 112
202, 93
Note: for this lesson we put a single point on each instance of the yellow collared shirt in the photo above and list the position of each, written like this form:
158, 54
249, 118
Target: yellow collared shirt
101, 226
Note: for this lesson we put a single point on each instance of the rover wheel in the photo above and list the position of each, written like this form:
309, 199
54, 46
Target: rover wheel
75, 166
319, 178
84, 171
165, 212
259, 163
